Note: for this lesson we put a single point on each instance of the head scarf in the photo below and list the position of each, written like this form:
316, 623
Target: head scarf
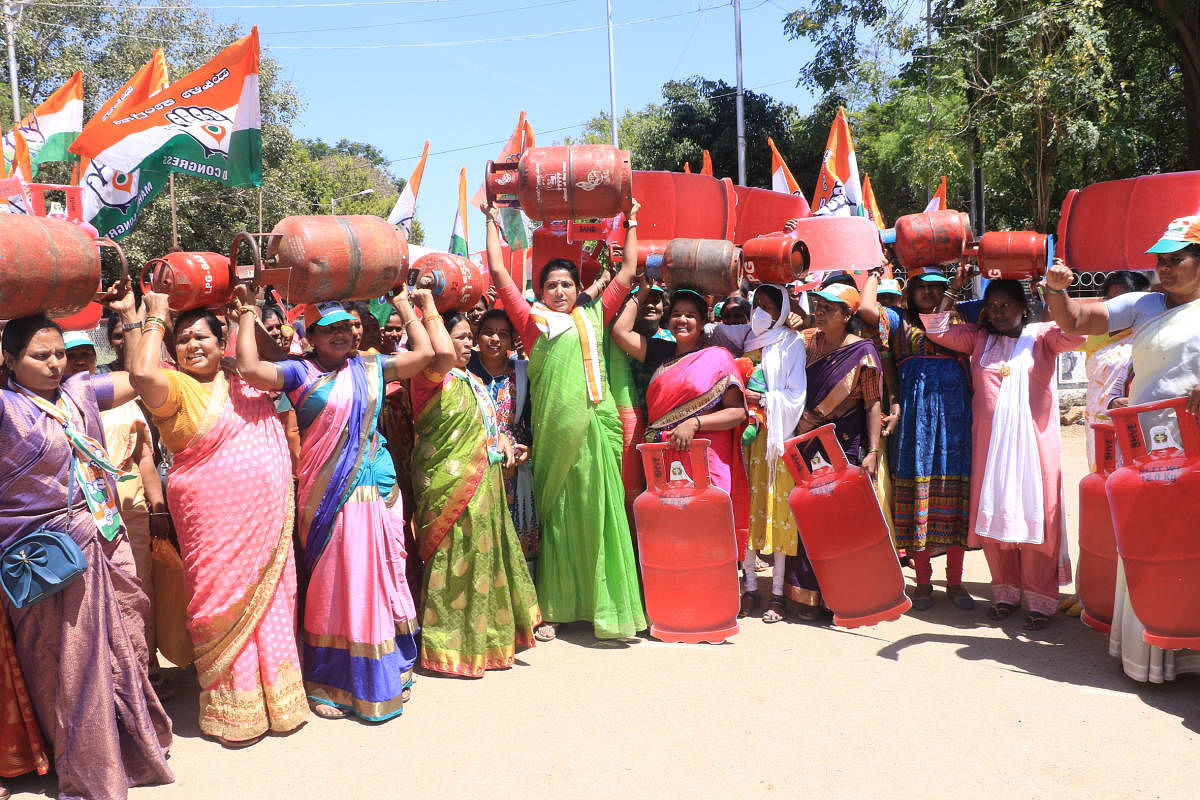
784, 363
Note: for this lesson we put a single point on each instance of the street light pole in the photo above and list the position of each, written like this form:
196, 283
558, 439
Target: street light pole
333, 200
12, 60
612, 78
741, 111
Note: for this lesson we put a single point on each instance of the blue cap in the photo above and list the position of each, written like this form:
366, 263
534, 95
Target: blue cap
77, 339
327, 313
927, 274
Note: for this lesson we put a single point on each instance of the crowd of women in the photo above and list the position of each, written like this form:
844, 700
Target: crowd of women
444, 489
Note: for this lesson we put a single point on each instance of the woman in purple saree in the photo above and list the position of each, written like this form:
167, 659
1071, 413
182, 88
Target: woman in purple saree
82, 650
844, 388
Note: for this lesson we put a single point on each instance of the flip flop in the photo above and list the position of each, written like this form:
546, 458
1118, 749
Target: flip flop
776, 610
1036, 621
1000, 611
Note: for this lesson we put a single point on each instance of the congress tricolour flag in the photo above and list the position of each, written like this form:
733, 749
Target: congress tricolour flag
938, 201
50, 128
406, 204
781, 176
206, 124
839, 191
458, 235
113, 198
870, 204
514, 225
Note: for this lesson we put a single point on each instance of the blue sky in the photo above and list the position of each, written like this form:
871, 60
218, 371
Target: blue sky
466, 97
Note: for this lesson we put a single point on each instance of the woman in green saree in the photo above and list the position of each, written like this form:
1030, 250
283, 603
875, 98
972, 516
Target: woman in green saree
480, 603
586, 568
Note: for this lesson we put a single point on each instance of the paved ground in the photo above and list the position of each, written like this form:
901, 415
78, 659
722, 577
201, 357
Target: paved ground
944, 704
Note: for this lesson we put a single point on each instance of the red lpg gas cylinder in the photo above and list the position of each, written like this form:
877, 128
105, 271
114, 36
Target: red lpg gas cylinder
678, 205
314, 258
843, 243
844, 533
1019, 255
190, 279
687, 547
762, 211
931, 238
1097, 578
775, 258
710, 267
47, 266
1109, 225
83, 320
564, 182
1155, 502
456, 282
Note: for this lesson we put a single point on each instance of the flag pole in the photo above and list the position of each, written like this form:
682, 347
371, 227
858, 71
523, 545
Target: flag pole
12, 61
741, 110
174, 216
612, 78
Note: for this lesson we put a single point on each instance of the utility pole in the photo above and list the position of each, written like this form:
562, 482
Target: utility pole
741, 110
612, 78
12, 60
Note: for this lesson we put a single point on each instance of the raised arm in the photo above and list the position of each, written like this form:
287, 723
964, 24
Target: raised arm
441, 345
143, 355
253, 370
623, 281
420, 349
868, 306
120, 300
495, 253
1071, 315
960, 338
623, 333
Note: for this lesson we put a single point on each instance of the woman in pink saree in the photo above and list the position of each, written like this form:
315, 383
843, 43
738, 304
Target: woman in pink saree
230, 495
695, 391
360, 622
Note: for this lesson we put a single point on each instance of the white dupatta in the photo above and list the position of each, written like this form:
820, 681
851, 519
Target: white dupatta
784, 366
1011, 506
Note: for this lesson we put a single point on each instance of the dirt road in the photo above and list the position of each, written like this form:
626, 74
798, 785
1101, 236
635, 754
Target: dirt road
944, 704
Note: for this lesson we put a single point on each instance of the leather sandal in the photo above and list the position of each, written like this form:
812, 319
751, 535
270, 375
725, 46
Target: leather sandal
776, 610
750, 602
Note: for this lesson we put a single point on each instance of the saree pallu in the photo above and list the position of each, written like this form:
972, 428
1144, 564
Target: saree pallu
230, 493
1107, 360
835, 394
22, 748
689, 386
479, 604
82, 651
396, 423
931, 454
359, 616
586, 568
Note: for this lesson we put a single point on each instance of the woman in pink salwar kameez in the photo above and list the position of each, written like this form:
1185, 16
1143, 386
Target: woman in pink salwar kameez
1016, 480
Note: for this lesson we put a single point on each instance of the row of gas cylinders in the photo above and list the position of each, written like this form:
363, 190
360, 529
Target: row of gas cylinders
1136, 513
689, 552
52, 266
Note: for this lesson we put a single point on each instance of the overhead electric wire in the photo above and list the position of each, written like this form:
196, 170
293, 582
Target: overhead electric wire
243, 6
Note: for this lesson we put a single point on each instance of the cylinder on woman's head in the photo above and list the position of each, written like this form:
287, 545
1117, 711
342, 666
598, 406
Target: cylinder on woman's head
709, 266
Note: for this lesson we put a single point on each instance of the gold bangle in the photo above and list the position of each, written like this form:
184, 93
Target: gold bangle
433, 318
152, 324
245, 310
411, 321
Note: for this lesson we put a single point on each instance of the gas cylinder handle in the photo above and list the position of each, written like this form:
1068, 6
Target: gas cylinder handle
827, 435
104, 241
1106, 448
148, 272
654, 460
248, 238
700, 475
1133, 442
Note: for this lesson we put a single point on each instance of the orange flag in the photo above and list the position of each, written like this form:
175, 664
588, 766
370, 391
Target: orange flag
707, 168
521, 138
687, 167
938, 201
20, 161
870, 204
839, 191
781, 176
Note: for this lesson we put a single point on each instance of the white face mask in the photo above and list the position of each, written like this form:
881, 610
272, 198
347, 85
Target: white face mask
760, 321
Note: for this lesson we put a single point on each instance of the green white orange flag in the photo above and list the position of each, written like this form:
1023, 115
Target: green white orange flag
406, 204
113, 198
938, 201
839, 191
514, 225
870, 204
781, 176
458, 235
50, 128
207, 124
